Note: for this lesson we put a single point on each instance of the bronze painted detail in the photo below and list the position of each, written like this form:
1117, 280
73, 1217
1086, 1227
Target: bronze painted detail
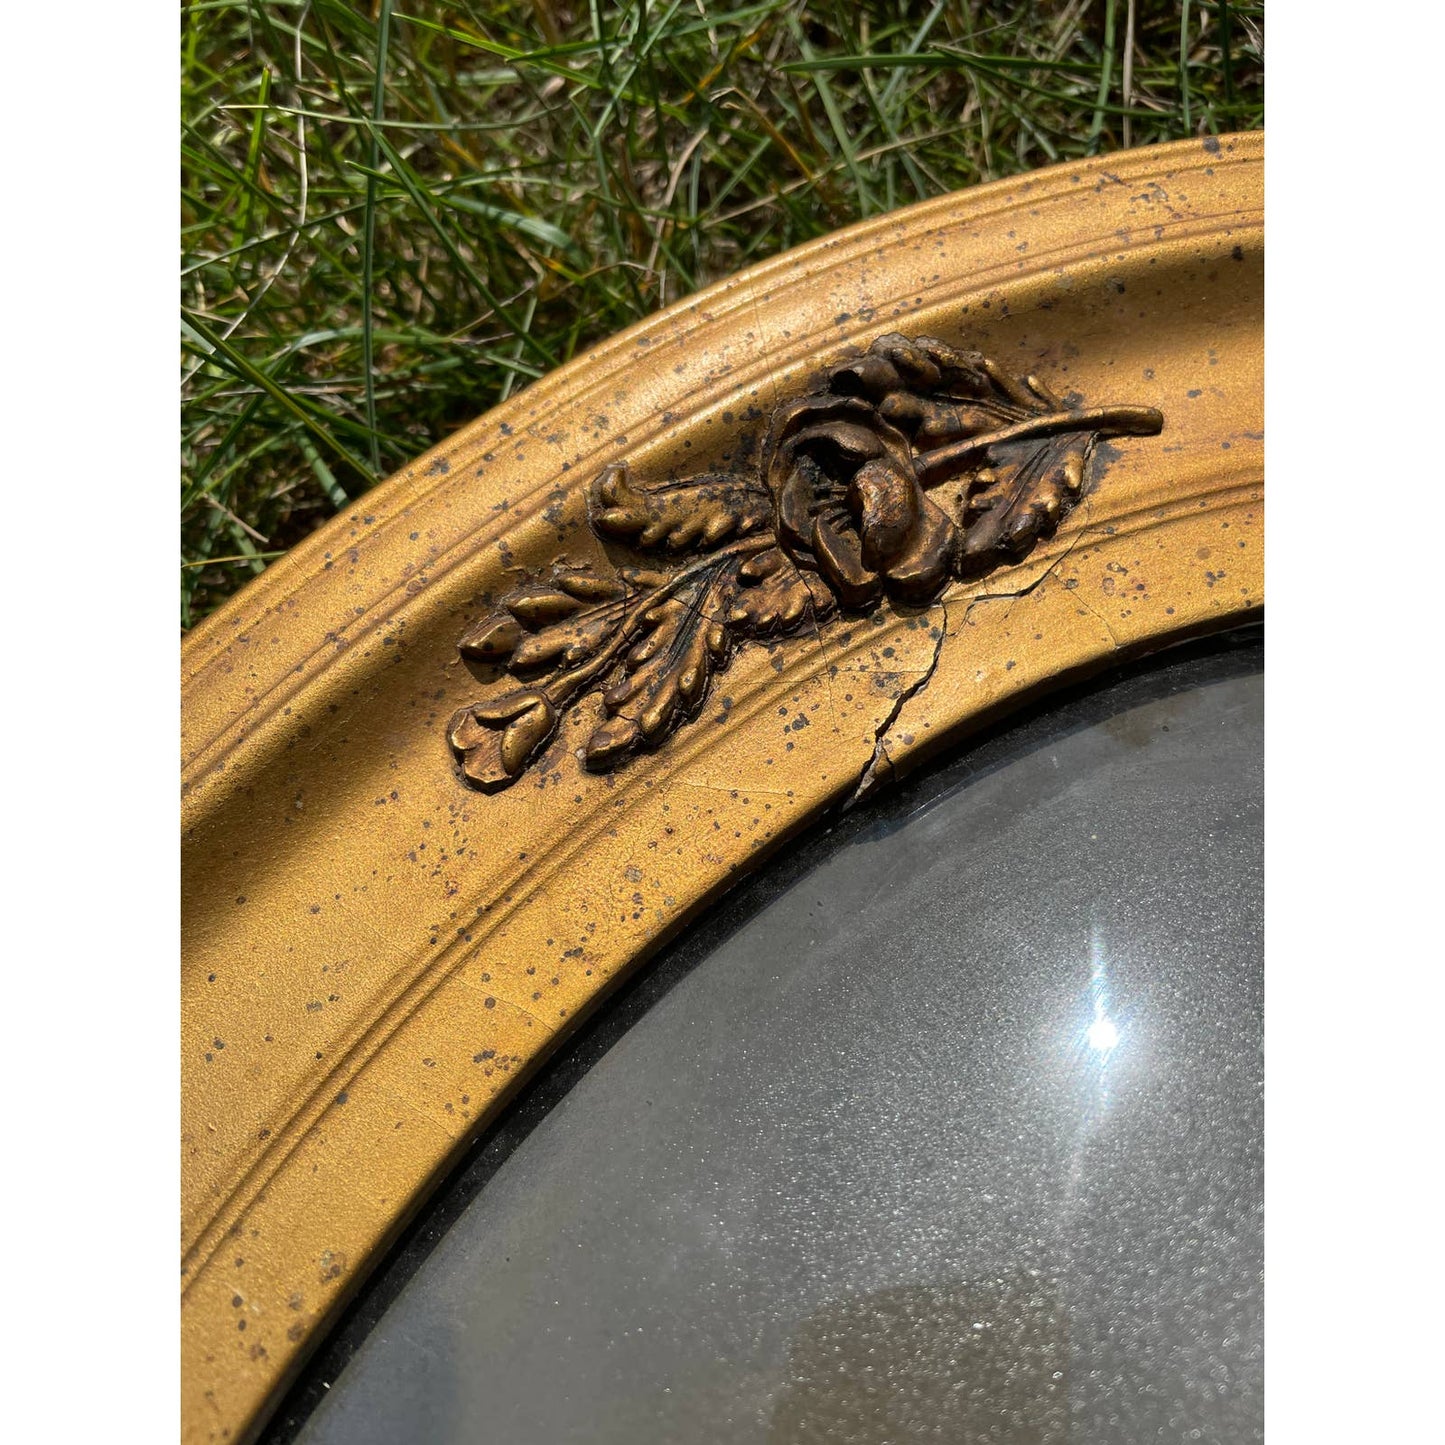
917, 463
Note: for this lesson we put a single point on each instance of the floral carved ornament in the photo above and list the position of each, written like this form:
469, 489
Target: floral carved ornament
836, 516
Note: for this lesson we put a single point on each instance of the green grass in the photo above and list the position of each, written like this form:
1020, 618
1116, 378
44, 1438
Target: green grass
395, 215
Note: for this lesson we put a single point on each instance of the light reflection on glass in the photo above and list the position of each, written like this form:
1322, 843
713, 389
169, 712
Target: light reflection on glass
1101, 1034
1091, 1049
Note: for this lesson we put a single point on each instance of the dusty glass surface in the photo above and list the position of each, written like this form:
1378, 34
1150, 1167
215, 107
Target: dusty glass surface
958, 1138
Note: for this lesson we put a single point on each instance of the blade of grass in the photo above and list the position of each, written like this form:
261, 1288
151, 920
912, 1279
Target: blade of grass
1105, 76
253, 152
1127, 79
863, 190
403, 173
223, 352
1184, 64
252, 556
368, 251
982, 65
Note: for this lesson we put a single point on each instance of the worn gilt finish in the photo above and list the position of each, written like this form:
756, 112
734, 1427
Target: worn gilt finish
836, 515
376, 951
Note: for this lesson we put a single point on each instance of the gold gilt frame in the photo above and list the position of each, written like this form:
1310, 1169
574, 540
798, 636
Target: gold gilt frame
723, 572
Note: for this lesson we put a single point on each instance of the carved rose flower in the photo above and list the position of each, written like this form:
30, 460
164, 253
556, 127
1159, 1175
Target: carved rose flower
848, 500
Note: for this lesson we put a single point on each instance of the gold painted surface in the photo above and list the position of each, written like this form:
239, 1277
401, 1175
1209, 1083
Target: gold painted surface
375, 954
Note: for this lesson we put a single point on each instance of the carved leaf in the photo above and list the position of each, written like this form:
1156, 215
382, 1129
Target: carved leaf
666, 674
568, 642
698, 514
775, 596
492, 638
495, 740
540, 623
896, 363
588, 586
937, 394
1021, 497
537, 605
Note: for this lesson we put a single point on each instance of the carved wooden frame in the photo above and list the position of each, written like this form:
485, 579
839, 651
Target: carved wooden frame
406, 876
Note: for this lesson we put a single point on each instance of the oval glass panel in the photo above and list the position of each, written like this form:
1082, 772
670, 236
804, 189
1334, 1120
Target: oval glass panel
957, 1135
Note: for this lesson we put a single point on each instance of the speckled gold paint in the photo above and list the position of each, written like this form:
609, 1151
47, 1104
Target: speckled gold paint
375, 954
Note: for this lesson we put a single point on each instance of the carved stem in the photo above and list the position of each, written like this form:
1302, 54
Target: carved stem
1139, 421
560, 691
